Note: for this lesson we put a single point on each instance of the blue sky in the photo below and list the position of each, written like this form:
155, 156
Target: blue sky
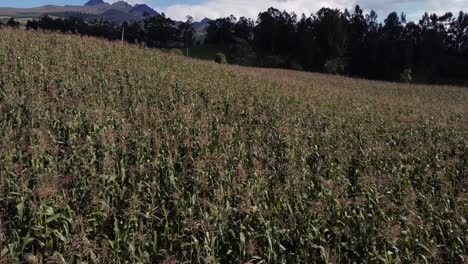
178, 9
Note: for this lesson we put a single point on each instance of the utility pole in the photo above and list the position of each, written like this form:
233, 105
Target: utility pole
123, 33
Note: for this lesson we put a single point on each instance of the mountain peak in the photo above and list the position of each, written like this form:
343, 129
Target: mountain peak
122, 5
94, 2
201, 25
141, 9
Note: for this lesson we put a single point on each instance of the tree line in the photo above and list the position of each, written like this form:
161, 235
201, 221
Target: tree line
434, 50
11, 23
153, 31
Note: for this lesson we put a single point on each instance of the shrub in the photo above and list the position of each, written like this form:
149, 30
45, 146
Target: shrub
13, 23
241, 53
335, 66
406, 76
220, 58
32, 24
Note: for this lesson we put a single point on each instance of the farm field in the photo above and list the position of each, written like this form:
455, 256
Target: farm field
111, 153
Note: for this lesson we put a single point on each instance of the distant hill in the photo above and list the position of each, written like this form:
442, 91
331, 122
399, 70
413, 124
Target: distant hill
202, 25
95, 2
93, 9
122, 6
140, 10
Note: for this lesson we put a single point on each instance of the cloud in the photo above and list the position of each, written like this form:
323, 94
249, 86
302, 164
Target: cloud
250, 8
414, 9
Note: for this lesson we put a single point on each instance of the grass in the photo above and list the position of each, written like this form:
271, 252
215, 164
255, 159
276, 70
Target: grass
111, 153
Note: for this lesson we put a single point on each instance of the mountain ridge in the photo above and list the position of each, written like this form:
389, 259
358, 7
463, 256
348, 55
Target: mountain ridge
92, 9
95, 2
141, 9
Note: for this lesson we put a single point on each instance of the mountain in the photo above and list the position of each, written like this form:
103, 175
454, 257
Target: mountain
117, 12
117, 16
140, 10
202, 25
122, 5
95, 2
93, 9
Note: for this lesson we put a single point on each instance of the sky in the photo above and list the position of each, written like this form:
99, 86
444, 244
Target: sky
199, 9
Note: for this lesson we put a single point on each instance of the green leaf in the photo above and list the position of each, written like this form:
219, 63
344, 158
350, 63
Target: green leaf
52, 218
60, 236
26, 241
3, 252
242, 238
20, 208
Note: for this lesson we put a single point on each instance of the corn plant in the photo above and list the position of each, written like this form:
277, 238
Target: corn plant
112, 153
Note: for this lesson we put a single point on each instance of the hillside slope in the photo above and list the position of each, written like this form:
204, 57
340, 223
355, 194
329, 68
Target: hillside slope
111, 153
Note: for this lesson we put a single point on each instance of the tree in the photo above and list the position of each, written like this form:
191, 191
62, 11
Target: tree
389, 57
32, 24
134, 32
307, 46
47, 23
275, 31
266, 32
458, 37
406, 75
242, 53
221, 31
430, 50
13, 23
335, 66
160, 31
332, 34
244, 29
187, 32
435, 48
220, 58
358, 34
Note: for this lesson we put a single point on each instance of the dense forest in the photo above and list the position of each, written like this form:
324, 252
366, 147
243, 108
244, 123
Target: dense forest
433, 50
154, 31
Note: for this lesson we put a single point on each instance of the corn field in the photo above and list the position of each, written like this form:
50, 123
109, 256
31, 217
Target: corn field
112, 153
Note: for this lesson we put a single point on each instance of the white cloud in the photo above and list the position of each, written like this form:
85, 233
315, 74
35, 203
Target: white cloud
251, 8
414, 9
248, 8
